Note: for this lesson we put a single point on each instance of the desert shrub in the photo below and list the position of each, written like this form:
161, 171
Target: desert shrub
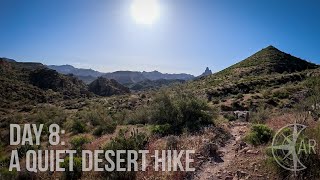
99, 131
238, 106
78, 126
260, 115
225, 108
230, 117
8, 175
181, 112
120, 117
310, 160
77, 142
96, 115
136, 141
105, 129
281, 94
313, 96
239, 96
259, 134
24, 174
143, 96
50, 115
23, 149
100, 117
5, 136
161, 130
139, 116
77, 169
215, 101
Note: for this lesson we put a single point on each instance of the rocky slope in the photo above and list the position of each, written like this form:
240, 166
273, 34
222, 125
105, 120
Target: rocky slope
106, 87
269, 60
270, 76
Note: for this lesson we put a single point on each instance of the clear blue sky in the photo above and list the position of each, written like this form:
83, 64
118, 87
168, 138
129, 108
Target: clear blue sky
188, 36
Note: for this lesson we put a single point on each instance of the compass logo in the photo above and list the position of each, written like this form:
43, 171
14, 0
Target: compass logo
290, 145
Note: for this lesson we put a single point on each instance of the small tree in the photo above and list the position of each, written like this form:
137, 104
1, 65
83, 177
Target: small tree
175, 113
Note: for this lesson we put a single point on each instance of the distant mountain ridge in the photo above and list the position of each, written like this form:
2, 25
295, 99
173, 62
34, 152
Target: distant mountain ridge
68, 69
156, 75
123, 77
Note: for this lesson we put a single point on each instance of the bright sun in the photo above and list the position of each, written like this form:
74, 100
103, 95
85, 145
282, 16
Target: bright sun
145, 11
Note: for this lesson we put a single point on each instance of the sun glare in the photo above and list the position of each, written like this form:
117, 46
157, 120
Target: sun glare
145, 11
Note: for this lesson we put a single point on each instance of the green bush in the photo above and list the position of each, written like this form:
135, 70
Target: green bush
239, 96
77, 143
281, 94
8, 175
78, 126
140, 115
136, 141
105, 129
259, 134
179, 113
98, 117
230, 117
50, 115
77, 169
23, 149
161, 129
260, 115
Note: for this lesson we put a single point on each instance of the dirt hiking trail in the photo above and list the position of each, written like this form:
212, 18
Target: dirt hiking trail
217, 169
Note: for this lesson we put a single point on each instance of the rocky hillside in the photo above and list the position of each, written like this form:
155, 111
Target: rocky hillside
34, 83
107, 87
270, 76
267, 61
68, 85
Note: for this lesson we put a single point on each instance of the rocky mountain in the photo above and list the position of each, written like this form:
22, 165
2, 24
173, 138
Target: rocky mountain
126, 77
68, 69
270, 77
31, 83
107, 87
156, 75
267, 61
28, 83
207, 72
68, 85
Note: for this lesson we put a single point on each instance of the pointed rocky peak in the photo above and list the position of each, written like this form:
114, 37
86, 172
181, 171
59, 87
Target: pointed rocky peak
206, 72
270, 47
